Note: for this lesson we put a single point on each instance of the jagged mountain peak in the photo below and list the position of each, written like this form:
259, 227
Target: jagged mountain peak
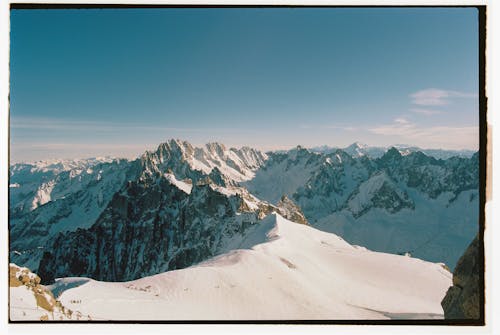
357, 145
188, 161
391, 156
176, 147
216, 148
393, 152
300, 153
299, 148
358, 150
419, 158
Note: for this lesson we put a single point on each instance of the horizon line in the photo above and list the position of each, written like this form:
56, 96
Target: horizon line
153, 148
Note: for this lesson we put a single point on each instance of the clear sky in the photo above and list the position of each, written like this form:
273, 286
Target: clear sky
118, 81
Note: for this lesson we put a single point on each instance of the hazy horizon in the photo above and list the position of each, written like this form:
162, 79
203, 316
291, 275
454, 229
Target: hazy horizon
133, 155
117, 82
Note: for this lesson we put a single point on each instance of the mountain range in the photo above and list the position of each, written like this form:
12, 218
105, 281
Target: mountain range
361, 149
115, 219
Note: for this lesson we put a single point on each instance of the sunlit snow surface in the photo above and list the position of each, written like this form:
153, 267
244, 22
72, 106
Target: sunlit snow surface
289, 272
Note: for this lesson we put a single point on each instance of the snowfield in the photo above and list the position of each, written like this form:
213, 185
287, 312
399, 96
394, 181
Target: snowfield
289, 271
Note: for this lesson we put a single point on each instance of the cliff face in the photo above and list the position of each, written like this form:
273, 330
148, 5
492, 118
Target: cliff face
463, 299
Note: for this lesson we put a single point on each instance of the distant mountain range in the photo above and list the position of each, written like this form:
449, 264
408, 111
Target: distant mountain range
359, 149
179, 205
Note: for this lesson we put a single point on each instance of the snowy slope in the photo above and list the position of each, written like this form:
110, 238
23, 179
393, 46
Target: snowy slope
434, 230
284, 173
292, 271
378, 192
185, 186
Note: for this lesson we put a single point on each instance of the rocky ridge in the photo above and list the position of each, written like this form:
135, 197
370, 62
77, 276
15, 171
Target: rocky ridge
463, 299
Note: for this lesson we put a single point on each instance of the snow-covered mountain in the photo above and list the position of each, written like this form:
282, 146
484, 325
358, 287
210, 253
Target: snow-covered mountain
47, 198
396, 203
283, 270
358, 149
187, 161
32, 184
72, 199
180, 205
168, 209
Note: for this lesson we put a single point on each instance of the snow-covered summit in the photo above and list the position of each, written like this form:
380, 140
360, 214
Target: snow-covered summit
356, 149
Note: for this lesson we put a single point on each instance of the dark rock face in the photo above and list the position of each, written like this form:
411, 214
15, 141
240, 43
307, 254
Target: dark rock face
150, 227
463, 299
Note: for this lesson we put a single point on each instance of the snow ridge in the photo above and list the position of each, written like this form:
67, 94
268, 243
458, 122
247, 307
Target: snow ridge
290, 271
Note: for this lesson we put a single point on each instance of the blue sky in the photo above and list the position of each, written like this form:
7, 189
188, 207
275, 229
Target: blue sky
119, 81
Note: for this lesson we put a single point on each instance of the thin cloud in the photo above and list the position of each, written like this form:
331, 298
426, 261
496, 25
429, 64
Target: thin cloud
437, 97
337, 127
444, 136
401, 120
427, 112
346, 128
82, 125
79, 146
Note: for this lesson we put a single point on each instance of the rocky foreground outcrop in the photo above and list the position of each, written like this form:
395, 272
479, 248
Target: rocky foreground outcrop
463, 299
34, 300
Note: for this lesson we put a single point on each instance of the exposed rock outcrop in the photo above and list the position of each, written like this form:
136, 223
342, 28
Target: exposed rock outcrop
49, 307
288, 209
463, 299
